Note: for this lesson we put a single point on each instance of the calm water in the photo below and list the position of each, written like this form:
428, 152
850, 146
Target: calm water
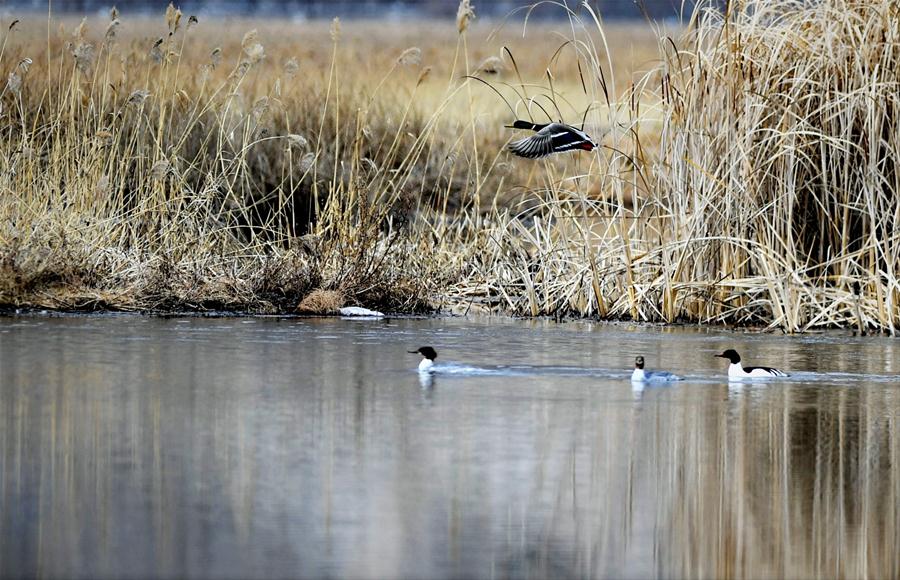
133, 447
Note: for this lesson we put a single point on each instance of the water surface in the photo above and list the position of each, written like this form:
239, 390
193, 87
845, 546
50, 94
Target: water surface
135, 447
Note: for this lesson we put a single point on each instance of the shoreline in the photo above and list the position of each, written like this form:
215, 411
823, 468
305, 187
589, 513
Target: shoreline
43, 312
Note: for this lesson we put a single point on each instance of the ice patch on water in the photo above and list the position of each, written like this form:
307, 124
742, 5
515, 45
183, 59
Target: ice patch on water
358, 312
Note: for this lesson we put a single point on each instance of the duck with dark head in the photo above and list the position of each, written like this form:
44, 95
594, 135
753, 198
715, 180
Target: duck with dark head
428, 356
737, 371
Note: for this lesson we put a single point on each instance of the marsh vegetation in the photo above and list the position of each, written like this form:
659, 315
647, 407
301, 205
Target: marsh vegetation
747, 172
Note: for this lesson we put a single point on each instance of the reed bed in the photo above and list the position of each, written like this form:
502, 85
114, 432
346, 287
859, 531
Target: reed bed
770, 199
158, 164
747, 173
782, 141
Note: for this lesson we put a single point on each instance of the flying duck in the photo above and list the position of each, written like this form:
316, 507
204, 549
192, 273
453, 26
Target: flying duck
737, 371
549, 138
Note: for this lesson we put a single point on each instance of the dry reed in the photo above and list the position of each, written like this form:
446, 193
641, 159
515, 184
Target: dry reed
771, 195
747, 176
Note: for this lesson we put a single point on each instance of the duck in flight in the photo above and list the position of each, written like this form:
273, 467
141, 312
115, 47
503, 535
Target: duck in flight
428, 356
738, 371
640, 375
549, 138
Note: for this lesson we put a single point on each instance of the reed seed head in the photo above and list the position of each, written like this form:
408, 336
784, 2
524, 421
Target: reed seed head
249, 39
335, 31
173, 18
255, 53
412, 56
103, 186
464, 14
307, 162
423, 75
84, 56
252, 48
297, 140
492, 65
111, 31
14, 83
160, 169
157, 52
138, 97
291, 67
79, 31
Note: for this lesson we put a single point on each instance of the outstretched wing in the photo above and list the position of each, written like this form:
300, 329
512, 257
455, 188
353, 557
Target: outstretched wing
554, 138
538, 145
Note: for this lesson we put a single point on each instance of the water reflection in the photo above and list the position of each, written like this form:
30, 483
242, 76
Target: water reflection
426, 381
280, 448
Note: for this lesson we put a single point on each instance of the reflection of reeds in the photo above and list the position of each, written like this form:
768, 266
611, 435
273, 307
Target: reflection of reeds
787, 486
210, 450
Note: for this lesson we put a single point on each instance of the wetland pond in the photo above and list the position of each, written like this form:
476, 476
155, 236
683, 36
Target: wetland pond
137, 447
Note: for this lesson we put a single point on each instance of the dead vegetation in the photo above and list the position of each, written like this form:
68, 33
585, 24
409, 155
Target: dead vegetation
772, 197
747, 174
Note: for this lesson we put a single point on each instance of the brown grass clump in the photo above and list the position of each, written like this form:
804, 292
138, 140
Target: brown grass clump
321, 302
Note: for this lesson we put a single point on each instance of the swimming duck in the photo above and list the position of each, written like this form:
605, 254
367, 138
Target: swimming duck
640, 375
549, 138
737, 371
428, 356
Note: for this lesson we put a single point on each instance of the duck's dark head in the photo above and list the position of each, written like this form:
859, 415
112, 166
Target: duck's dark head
731, 355
639, 362
425, 351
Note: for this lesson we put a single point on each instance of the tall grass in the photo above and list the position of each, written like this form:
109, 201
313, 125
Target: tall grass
172, 164
782, 139
771, 198
747, 174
